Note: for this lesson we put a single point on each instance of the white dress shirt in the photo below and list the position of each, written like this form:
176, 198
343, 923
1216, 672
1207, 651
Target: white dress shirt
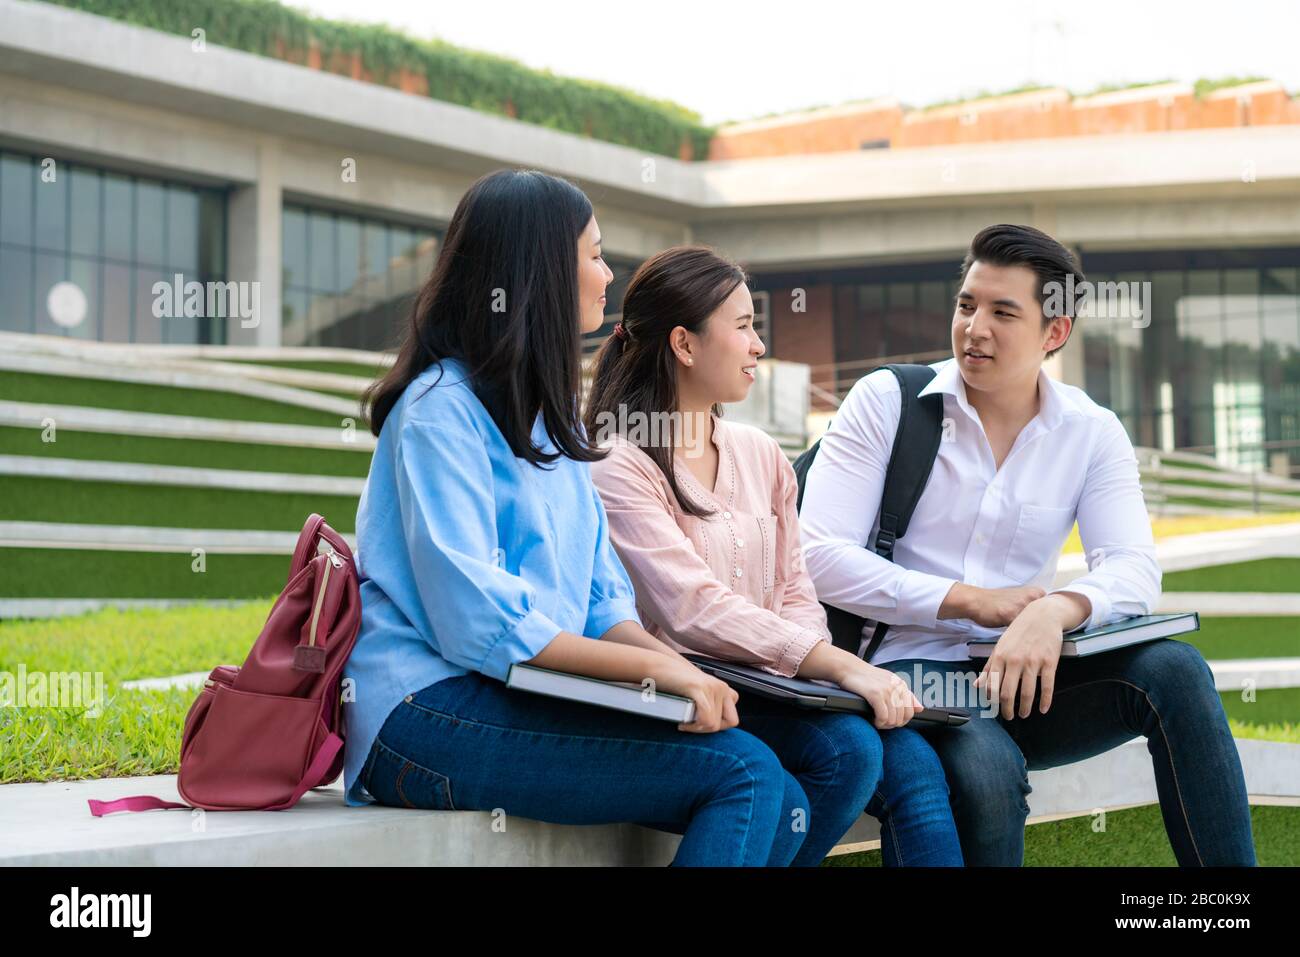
976, 523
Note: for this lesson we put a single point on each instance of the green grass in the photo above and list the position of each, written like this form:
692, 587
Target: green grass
310, 365
1287, 733
1214, 505
1179, 463
197, 453
1196, 483
1271, 706
1132, 838
136, 732
138, 397
1246, 637
34, 499
94, 573
1262, 575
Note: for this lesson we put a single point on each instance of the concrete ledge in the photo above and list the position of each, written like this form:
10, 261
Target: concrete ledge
1235, 604
1262, 673
143, 473
62, 607
151, 538
51, 825
143, 374
1182, 552
111, 351
79, 418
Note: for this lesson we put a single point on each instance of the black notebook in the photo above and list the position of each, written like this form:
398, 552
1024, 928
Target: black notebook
812, 694
1119, 634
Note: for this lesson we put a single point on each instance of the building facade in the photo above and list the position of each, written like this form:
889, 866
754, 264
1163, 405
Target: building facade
279, 205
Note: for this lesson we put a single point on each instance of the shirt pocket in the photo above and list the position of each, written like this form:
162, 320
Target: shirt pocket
1036, 544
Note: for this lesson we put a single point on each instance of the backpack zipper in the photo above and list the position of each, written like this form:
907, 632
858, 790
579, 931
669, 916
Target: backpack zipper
320, 599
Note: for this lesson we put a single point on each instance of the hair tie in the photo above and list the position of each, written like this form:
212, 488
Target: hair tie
620, 331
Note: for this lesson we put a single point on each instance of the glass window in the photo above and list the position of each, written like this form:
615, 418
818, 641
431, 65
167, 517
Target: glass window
1212, 368
103, 232
17, 198
183, 231
293, 242
17, 313
349, 280
118, 203
322, 263
86, 236
349, 239
150, 223
52, 207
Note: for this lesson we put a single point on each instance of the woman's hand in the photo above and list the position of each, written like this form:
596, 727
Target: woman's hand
888, 694
715, 700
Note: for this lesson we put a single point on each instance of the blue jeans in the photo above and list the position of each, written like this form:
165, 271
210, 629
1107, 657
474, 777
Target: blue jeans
1162, 690
470, 743
910, 798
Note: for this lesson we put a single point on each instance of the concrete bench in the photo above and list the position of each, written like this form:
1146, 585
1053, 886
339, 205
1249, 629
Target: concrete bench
51, 825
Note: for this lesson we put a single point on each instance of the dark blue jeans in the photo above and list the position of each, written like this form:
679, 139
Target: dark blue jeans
1162, 690
470, 743
910, 800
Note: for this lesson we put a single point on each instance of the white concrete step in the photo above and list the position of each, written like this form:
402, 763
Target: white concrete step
80, 418
63, 607
1233, 604
50, 824
151, 538
1182, 552
185, 476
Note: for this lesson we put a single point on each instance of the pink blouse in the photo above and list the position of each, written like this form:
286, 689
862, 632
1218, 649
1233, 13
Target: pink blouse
731, 585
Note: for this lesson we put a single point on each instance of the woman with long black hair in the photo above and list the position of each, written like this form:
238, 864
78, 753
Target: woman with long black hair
482, 543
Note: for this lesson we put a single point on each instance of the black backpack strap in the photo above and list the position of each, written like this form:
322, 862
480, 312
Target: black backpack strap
916, 444
801, 466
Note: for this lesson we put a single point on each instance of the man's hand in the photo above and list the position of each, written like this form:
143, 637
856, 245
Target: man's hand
990, 607
1028, 652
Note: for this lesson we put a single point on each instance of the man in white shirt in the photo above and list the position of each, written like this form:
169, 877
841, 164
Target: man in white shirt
1022, 457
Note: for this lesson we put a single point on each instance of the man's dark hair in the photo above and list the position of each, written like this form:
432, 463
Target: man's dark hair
1008, 245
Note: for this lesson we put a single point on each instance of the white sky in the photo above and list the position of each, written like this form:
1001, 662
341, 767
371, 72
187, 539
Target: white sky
731, 61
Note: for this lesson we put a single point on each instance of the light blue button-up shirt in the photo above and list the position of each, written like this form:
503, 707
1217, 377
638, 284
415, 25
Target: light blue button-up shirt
469, 558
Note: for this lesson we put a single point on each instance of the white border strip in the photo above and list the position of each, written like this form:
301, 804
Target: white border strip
110, 351
80, 418
64, 607
88, 470
149, 538
124, 371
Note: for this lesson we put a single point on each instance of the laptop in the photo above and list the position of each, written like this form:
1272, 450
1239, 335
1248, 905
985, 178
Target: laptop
814, 695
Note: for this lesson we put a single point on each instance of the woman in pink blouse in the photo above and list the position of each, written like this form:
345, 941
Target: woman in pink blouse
703, 516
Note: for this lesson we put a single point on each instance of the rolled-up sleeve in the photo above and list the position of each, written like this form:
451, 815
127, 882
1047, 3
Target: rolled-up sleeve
479, 615
612, 597
1124, 577
675, 585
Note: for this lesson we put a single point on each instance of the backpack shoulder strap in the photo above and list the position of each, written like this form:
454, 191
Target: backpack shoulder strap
916, 444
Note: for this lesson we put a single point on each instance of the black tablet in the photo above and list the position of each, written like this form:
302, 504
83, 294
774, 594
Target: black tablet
805, 693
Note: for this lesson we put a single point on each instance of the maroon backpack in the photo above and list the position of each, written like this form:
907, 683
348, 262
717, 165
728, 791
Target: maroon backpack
258, 737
